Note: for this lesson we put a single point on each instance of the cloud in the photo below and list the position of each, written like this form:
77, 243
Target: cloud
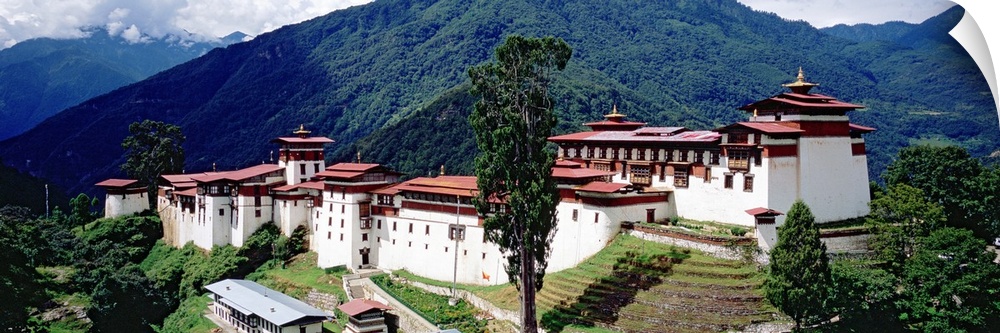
138, 20
825, 13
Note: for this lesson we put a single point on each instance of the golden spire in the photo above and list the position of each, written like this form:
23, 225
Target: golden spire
302, 132
442, 170
614, 115
359, 157
800, 86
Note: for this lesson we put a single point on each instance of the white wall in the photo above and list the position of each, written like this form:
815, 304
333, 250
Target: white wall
832, 185
120, 205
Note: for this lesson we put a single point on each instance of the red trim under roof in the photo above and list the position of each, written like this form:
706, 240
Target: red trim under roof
359, 306
601, 187
761, 211
113, 182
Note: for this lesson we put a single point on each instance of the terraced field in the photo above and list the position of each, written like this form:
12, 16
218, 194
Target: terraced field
639, 286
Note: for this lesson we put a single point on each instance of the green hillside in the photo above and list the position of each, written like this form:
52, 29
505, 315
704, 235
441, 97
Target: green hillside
394, 68
40, 77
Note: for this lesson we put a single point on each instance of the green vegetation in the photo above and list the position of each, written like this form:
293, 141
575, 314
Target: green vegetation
189, 317
152, 149
636, 285
799, 278
383, 67
513, 121
435, 308
23, 190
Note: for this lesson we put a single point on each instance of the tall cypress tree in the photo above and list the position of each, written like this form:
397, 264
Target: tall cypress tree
513, 120
799, 277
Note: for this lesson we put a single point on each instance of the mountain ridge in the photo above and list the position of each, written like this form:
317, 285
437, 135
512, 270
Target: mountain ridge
355, 71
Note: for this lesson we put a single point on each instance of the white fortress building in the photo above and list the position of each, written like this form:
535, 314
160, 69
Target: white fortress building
796, 145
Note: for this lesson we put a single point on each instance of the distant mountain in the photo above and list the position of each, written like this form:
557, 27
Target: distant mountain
40, 77
390, 74
865, 32
18, 189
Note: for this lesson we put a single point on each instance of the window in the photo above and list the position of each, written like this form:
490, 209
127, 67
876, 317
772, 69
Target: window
656, 155
642, 154
602, 167
409, 244
329, 235
426, 246
316, 168
699, 157
683, 156
484, 255
378, 239
628, 153
708, 174
427, 230
329, 221
302, 169
343, 208
738, 137
393, 225
222, 212
446, 249
331, 207
756, 158
341, 237
256, 213
590, 152
747, 183
713, 158
680, 177
393, 242
597, 217
729, 181
341, 223
575, 214
604, 152
411, 228
640, 175
738, 159
379, 224
364, 237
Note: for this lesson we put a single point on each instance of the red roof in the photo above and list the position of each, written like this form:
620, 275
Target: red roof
188, 192
766, 127
577, 173
448, 185
352, 166
862, 129
315, 185
659, 130
761, 211
338, 174
567, 164
117, 182
359, 306
631, 136
601, 187
238, 175
801, 100
295, 139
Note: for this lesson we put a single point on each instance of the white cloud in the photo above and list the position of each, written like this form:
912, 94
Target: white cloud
825, 13
138, 19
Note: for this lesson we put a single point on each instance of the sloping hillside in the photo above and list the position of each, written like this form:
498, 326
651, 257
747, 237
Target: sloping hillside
40, 77
365, 68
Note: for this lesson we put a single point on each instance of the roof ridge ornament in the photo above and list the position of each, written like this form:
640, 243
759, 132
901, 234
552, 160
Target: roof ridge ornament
800, 86
302, 132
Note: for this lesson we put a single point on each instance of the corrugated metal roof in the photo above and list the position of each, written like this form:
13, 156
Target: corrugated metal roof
601, 187
630, 136
352, 166
238, 175
117, 182
270, 305
295, 139
359, 306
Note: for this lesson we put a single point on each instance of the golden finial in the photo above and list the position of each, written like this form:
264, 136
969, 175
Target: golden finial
614, 109
442, 170
754, 112
302, 132
213, 166
359, 157
800, 86
614, 115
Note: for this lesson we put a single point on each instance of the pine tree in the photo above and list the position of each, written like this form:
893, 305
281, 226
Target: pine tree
799, 277
513, 120
153, 149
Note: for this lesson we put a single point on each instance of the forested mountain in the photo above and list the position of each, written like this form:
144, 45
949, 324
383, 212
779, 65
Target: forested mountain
40, 77
394, 70
865, 32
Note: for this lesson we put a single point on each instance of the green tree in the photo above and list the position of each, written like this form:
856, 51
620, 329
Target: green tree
864, 297
154, 148
950, 284
512, 121
900, 217
799, 279
947, 176
81, 210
